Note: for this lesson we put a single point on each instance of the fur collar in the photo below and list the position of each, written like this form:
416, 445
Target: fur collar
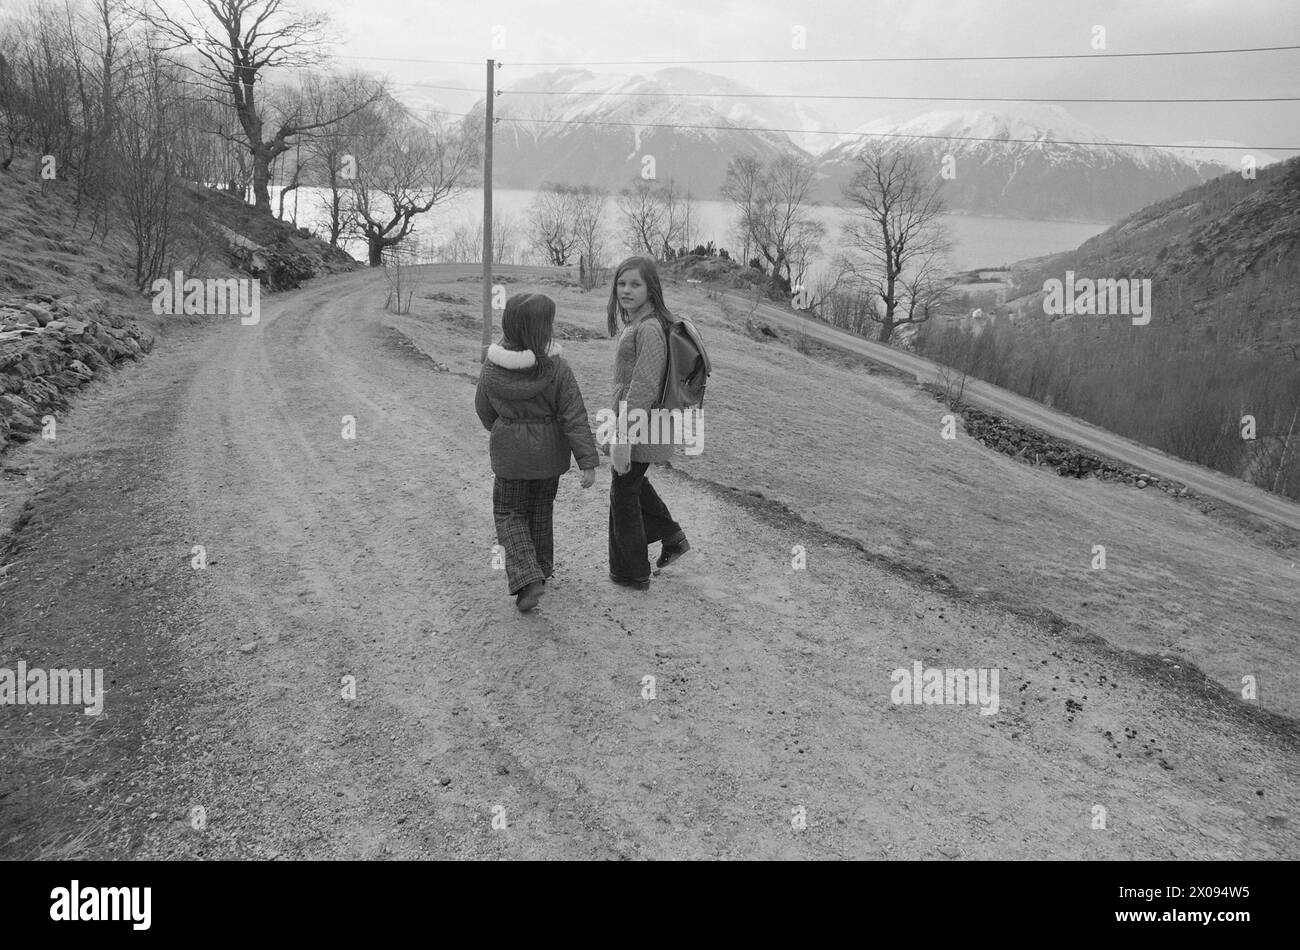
518, 359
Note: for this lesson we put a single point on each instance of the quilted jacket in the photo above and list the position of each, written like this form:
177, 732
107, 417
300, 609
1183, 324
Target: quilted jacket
536, 423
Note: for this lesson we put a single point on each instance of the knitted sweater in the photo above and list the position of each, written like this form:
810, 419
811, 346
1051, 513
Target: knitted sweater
639, 362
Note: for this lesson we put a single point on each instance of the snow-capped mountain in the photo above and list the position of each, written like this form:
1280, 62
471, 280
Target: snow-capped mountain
1038, 162
434, 95
1220, 152
600, 126
576, 126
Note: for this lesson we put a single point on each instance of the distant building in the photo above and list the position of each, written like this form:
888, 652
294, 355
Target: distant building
976, 321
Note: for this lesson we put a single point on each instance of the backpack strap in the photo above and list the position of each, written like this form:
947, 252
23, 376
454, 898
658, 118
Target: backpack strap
668, 339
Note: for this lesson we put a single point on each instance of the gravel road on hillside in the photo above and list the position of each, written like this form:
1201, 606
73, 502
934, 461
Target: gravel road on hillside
477, 732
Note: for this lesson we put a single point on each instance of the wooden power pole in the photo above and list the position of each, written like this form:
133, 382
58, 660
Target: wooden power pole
487, 208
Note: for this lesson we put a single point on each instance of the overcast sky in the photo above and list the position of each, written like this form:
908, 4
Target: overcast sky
588, 31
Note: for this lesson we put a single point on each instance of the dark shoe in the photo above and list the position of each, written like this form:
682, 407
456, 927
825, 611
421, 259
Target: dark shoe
527, 598
642, 584
671, 552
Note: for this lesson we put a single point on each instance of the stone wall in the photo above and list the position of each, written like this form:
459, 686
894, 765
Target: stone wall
1033, 447
49, 348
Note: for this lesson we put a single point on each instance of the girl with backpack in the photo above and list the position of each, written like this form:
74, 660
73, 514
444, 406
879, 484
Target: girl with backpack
529, 399
637, 515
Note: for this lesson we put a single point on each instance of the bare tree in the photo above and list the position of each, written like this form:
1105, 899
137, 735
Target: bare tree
399, 263
237, 42
772, 211
465, 243
13, 102
147, 178
96, 38
198, 155
655, 219
552, 223
327, 153
738, 235
1286, 445
504, 231
290, 186
641, 215
410, 166
895, 223
45, 62
672, 220
111, 21
333, 152
589, 228
690, 216
826, 300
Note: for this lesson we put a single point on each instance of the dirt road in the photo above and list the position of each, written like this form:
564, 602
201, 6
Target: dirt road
479, 732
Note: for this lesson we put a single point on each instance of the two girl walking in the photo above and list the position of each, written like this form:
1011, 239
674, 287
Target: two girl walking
529, 399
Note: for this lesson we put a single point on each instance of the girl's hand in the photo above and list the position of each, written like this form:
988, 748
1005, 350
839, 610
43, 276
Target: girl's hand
620, 457
588, 477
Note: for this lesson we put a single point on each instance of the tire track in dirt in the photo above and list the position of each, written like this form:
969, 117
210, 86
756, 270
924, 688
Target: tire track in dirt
315, 497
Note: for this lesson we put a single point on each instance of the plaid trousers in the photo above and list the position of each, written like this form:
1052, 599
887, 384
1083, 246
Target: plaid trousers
522, 509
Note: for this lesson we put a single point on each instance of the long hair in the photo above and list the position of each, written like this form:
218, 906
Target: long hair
616, 315
528, 324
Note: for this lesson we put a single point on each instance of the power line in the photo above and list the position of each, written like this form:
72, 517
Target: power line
430, 85
861, 59
887, 135
214, 45
430, 62
792, 95
921, 59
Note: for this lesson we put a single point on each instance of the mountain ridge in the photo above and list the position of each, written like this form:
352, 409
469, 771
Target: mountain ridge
1222, 256
1021, 162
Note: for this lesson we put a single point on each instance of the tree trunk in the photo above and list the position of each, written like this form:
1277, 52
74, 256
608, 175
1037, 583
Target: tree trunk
261, 181
377, 242
284, 193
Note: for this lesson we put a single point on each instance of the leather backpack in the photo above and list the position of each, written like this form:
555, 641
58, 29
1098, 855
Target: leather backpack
687, 369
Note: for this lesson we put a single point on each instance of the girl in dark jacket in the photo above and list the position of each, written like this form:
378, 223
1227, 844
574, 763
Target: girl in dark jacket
637, 515
528, 398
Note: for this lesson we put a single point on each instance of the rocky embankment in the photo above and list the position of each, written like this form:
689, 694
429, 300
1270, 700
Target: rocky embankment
1037, 448
50, 347
279, 255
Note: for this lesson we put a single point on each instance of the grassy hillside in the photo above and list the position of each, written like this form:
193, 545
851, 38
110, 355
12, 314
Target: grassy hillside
1223, 259
1222, 344
48, 246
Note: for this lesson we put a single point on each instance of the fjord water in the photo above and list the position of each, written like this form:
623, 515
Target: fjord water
977, 241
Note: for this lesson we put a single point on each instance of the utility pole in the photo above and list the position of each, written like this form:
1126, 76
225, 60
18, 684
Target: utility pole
488, 112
